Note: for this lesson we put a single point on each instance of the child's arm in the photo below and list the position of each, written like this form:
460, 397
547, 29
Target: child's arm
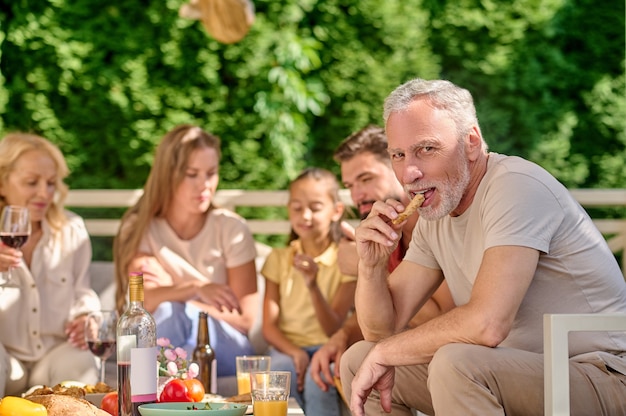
332, 315
275, 337
271, 311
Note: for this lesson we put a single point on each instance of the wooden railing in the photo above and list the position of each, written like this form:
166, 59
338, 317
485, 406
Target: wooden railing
613, 229
227, 198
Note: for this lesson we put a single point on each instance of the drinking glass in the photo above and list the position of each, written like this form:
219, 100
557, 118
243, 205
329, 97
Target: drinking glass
245, 365
14, 231
100, 333
270, 392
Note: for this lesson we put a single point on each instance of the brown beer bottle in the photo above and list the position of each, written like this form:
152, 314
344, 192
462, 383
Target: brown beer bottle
204, 355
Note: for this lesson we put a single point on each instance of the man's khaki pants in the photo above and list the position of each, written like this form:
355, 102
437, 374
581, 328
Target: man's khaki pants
467, 379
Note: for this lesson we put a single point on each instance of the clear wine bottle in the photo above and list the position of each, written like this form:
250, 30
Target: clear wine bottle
136, 353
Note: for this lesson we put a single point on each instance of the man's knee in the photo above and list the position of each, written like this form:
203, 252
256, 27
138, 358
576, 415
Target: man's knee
351, 361
459, 359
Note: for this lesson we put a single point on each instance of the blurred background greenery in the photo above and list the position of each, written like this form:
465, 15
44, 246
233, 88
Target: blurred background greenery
106, 79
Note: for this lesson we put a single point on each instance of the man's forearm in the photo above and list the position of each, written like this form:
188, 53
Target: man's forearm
374, 304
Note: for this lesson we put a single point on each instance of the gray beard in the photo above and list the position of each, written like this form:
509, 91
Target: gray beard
451, 193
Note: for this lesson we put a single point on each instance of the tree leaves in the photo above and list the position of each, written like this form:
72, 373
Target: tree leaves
107, 80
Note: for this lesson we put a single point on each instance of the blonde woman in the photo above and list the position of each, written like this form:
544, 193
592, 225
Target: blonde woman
42, 318
194, 256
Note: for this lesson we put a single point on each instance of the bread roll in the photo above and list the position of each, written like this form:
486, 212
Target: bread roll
62, 405
240, 398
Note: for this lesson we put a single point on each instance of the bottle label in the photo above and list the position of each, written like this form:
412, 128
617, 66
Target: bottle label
143, 374
214, 377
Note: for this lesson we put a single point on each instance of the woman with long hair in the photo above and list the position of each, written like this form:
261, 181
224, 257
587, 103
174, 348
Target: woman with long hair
194, 256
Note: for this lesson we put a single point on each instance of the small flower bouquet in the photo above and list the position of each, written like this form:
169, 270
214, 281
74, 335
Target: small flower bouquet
173, 361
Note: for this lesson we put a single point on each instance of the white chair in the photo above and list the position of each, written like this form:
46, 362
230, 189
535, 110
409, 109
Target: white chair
556, 328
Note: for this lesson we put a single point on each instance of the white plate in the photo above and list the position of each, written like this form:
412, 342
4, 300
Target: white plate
95, 398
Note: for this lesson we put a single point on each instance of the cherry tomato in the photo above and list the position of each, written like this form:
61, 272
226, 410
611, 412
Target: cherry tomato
109, 403
195, 389
175, 391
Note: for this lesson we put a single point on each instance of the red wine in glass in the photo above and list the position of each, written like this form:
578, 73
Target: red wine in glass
14, 231
100, 335
101, 349
13, 240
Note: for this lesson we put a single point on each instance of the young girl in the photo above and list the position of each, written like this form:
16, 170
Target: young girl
306, 296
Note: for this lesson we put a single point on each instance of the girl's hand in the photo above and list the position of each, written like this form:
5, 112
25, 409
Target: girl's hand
307, 266
300, 362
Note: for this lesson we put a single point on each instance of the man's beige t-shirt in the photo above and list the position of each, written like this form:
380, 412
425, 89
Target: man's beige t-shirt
519, 203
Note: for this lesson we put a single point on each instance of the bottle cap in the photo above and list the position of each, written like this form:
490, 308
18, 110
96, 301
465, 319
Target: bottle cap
135, 287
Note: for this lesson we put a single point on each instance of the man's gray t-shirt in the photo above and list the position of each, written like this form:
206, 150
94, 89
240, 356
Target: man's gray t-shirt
519, 203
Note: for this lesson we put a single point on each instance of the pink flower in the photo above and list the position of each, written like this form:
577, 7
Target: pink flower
163, 342
170, 355
181, 353
173, 362
193, 370
172, 368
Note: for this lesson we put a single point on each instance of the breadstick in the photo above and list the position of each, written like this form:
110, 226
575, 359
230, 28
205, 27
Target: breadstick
415, 203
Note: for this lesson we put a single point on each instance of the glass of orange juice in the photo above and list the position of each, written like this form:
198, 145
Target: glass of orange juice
247, 364
270, 392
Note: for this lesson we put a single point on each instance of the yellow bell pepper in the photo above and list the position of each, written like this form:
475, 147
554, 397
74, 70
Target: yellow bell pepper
16, 406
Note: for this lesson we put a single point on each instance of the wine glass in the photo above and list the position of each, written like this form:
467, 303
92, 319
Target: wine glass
14, 231
100, 332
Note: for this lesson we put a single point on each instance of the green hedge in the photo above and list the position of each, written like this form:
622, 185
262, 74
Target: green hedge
105, 80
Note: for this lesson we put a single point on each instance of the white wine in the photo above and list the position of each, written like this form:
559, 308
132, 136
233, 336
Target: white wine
136, 353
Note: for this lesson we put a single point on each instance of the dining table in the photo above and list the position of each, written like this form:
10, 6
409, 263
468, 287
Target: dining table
293, 408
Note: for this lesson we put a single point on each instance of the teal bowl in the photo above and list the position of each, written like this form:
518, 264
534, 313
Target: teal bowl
183, 409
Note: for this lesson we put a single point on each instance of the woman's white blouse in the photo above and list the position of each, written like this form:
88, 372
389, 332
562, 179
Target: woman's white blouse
54, 291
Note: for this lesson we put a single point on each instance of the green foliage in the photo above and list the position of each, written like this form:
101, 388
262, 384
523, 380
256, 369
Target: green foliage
548, 77
105, 80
